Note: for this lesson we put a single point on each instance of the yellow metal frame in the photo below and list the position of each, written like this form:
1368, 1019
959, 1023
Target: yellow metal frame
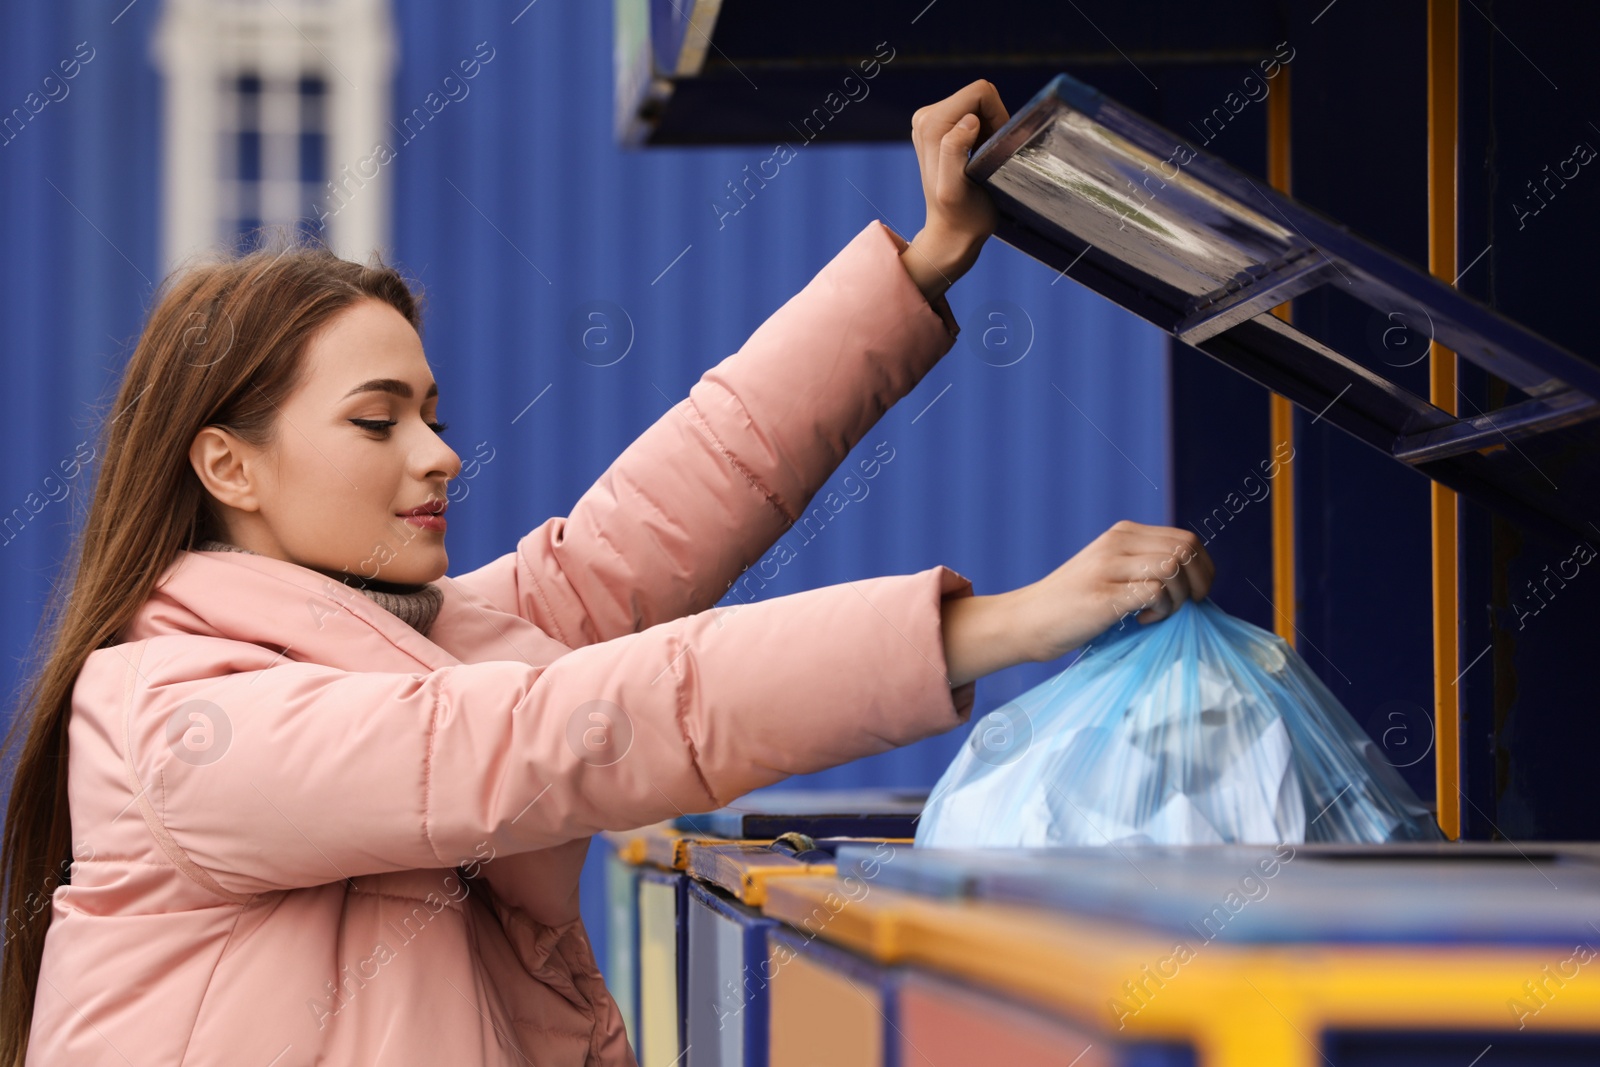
1285, 601
1239, 1006
629, 845
1443, 83
1443, 26
660, 845
743, 868
747, 870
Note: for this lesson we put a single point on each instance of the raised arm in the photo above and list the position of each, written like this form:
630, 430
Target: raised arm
716, 480
703, 492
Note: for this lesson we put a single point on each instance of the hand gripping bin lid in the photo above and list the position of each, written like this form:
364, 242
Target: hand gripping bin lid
1199, 729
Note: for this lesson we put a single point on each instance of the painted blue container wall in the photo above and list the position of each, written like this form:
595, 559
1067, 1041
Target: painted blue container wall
78, 236
517, 212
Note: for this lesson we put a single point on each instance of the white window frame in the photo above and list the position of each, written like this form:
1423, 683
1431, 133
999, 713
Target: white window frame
202, 44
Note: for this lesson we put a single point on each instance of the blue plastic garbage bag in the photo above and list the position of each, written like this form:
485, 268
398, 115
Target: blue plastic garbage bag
1199, 729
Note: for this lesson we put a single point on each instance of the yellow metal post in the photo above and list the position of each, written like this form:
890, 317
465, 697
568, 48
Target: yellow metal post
1443, 24
1281, 430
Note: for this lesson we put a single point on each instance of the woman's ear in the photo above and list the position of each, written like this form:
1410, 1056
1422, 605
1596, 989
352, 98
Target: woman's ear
219, 459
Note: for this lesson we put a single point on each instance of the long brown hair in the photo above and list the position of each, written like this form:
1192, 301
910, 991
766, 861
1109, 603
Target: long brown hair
224, 346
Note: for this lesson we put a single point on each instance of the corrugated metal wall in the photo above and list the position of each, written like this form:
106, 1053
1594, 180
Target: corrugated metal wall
519, 214
78, 231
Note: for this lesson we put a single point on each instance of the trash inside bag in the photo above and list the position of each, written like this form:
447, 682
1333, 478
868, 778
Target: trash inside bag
1199, 729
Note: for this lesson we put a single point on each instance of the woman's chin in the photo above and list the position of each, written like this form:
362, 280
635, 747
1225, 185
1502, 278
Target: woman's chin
423, 564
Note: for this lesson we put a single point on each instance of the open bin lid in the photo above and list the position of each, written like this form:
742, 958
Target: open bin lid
1205, 252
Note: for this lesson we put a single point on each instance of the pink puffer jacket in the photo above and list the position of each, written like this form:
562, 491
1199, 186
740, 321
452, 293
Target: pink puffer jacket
371, 854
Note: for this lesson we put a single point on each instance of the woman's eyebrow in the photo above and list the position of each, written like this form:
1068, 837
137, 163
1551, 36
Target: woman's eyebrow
390, 385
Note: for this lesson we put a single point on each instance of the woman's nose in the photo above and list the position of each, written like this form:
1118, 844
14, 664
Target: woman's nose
438, 458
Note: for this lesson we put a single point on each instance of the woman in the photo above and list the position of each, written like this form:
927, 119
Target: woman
321, 804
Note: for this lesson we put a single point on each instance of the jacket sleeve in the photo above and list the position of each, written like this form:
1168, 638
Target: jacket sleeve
329, 774
714, 482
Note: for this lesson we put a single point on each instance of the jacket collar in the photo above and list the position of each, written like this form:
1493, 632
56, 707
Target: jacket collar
304, 614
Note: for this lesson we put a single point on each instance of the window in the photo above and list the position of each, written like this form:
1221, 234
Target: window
265, 99
274, 152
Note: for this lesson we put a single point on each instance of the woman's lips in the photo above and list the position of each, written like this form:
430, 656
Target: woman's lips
426, 521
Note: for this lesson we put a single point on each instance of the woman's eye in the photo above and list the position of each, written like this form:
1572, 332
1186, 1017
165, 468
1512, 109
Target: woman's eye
382, 425
375, 425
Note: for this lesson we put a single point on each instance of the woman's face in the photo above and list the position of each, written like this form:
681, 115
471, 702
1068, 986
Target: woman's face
355, 450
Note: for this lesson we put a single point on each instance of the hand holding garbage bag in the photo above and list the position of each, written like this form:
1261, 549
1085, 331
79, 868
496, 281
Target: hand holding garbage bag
1131, 567
1187, 727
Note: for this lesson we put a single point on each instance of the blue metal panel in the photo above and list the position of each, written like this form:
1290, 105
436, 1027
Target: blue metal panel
725, 1013
1394, 1048
621, 939
78, 217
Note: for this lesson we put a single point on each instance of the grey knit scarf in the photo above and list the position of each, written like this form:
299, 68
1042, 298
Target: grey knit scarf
417, 605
